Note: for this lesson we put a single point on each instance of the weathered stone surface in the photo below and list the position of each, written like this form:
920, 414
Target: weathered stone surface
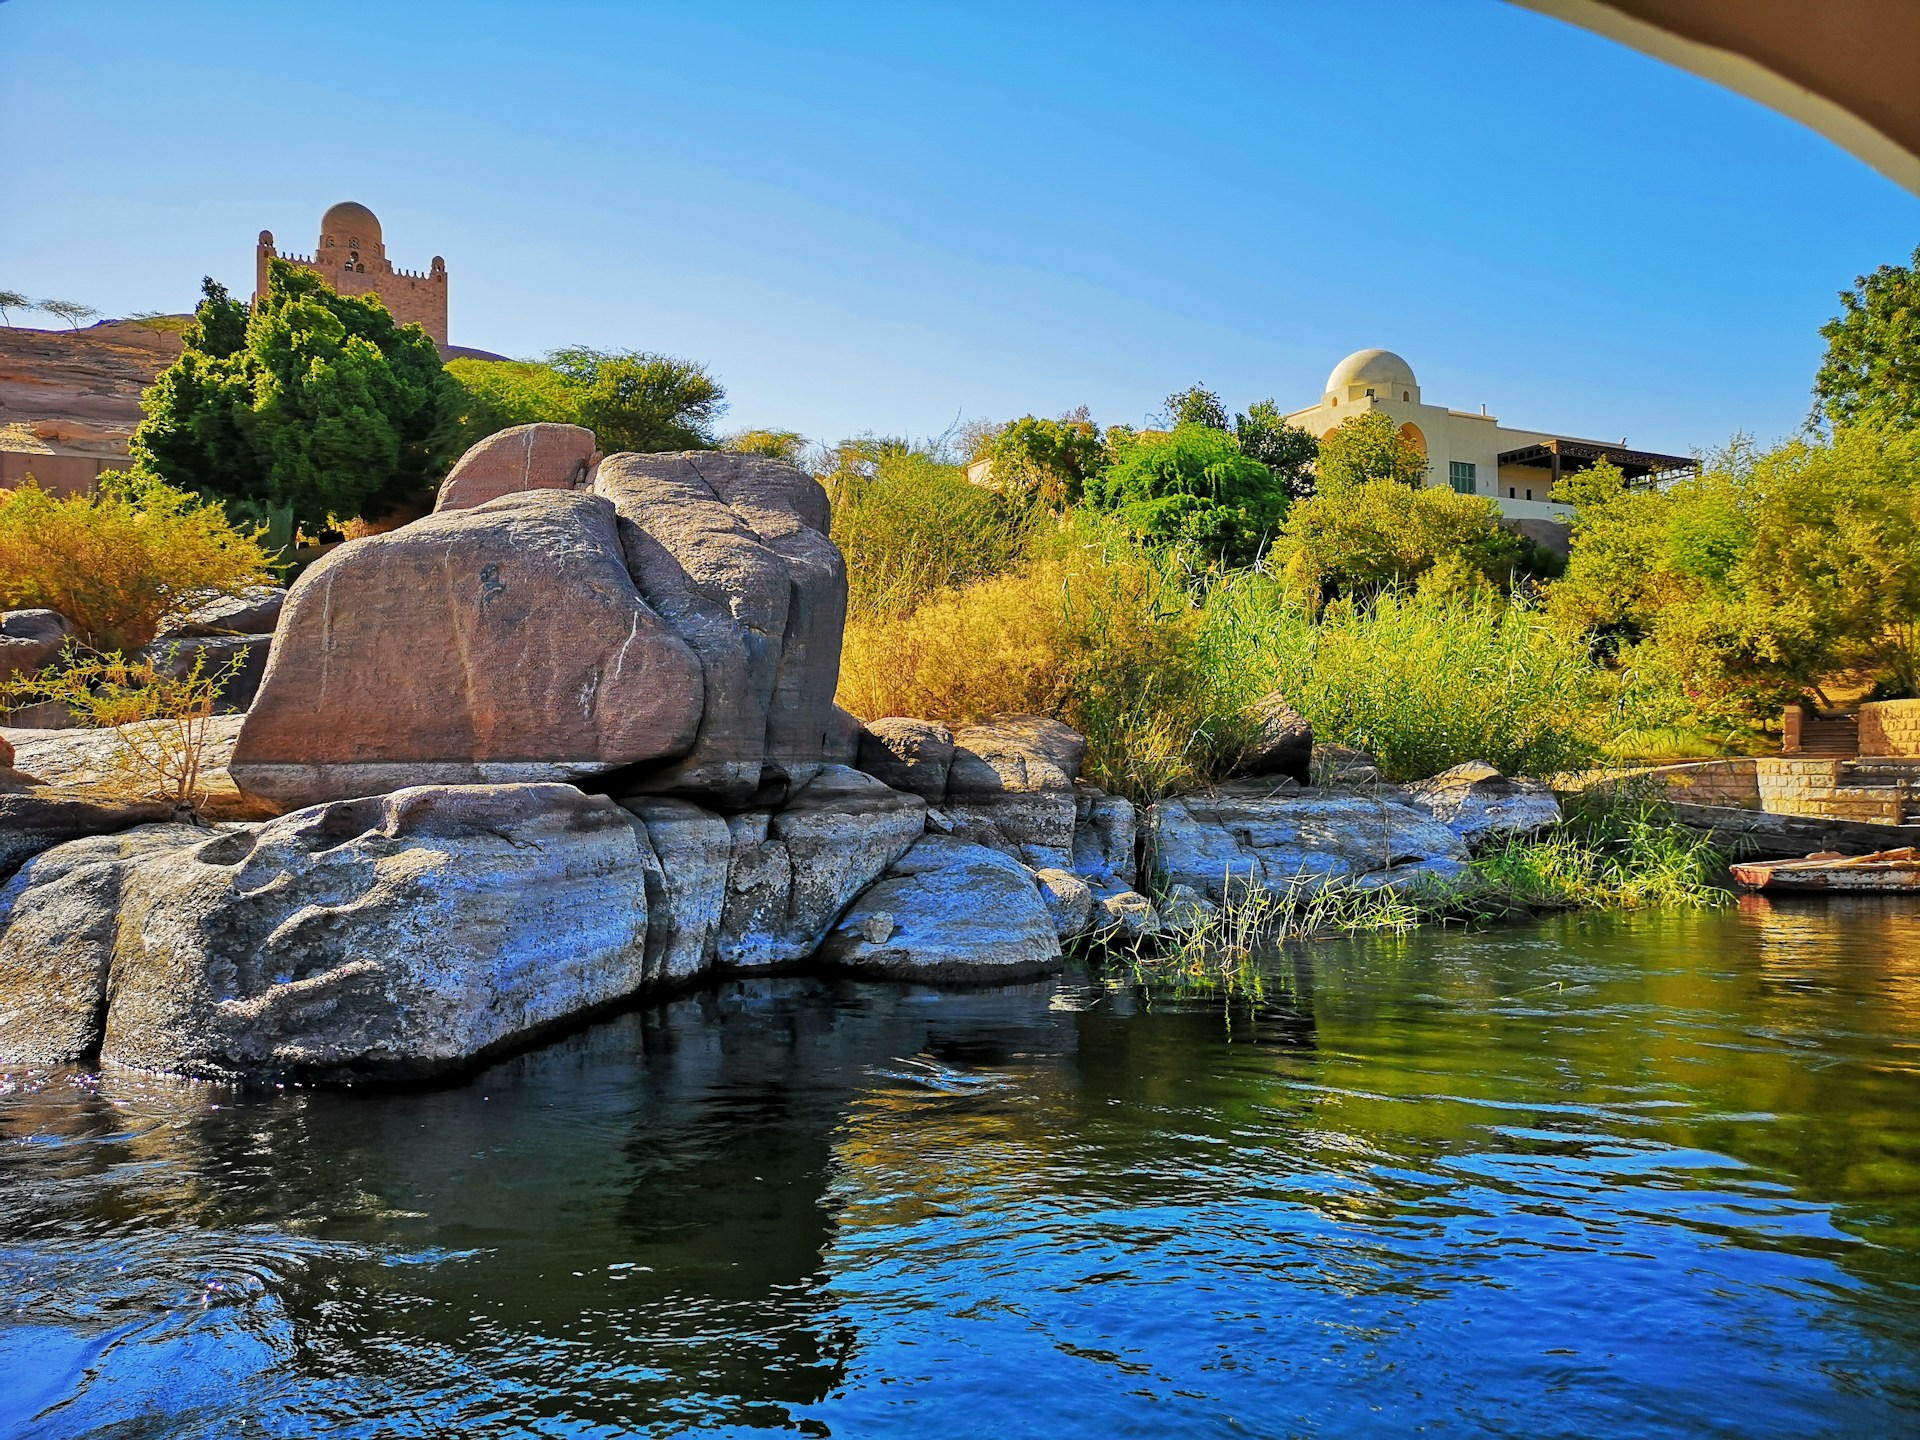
252, 612
948, 910
1221, 842
59, 917
1010, 786
794, 870
37, 820
545, 456
30, 638
1480, 805
504, 643
1185, 910
911, 755
1343, 767
1105, 832
1069, 900
176, 657
732, 551
1282, 742
1126, 915
83, 757
842, 741
689, 851
399, 935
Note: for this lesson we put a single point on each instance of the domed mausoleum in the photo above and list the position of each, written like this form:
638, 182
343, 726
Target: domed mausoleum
1474, 452
351, 256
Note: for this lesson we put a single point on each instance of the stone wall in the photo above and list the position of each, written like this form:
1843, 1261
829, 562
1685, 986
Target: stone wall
56, 474
1890, 728
1815, 788
1711, 782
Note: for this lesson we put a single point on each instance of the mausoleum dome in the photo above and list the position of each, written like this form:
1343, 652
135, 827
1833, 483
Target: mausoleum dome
1379, 369
351, 221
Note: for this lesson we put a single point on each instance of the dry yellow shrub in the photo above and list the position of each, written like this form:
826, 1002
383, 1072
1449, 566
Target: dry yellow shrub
119, 563
1097, 635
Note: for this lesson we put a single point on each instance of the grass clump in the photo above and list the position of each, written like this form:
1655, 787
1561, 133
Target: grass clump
1422, 680
120, 563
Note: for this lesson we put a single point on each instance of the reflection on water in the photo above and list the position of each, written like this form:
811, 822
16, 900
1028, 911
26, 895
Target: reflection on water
1643, 1176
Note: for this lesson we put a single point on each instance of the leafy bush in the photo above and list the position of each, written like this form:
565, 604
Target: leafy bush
1193, 487
910, 526
119, 563
1047, 461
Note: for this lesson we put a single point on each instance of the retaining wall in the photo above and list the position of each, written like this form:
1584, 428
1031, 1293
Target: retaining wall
1890, 728
1813, 787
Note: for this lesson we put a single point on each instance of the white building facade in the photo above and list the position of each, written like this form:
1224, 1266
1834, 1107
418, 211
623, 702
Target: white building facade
1474, 453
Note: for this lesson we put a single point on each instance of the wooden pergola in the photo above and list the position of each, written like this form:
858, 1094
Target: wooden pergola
1569, 457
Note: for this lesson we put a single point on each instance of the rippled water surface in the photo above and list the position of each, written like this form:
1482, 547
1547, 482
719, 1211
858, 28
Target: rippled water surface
1629, 1176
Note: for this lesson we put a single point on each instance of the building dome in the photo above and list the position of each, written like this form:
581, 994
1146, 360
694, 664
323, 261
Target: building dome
1380, 369
349, 220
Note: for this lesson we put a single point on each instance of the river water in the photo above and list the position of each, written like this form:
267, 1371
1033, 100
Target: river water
1622, 1176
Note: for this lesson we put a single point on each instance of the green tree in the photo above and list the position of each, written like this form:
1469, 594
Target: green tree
1369, 447
1196, 405
327, 410
1193, 487
1363, 538
1761, 577
219, 325
639, 401
12, 300
1047, 461
1871, 372
1287, 450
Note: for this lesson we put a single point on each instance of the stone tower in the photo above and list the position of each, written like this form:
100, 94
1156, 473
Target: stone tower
352, 258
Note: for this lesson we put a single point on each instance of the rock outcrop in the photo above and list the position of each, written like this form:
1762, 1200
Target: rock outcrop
1282, 742
1011, 786
505, 643
794, 870
35, 821
59, 923
29, 639
545, 456
400, 935
1482, 806
253, 612
241, 661
912, 755
948, 910
732, 552
1222, 842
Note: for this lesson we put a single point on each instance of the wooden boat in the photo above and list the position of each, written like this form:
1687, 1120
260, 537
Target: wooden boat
1883, 870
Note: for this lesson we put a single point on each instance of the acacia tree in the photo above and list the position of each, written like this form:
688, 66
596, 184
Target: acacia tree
1369, 447
71, 311
1871, 372
636, 400
12, 300
314, 403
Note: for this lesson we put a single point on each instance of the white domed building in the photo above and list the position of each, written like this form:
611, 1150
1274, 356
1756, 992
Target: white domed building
1475, 453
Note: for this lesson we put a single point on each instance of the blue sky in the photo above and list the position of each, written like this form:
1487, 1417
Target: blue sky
885, 216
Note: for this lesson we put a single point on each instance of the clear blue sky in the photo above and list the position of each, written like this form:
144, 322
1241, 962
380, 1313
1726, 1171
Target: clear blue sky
881, 216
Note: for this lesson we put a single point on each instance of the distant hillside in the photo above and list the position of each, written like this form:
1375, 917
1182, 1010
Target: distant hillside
77, 392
